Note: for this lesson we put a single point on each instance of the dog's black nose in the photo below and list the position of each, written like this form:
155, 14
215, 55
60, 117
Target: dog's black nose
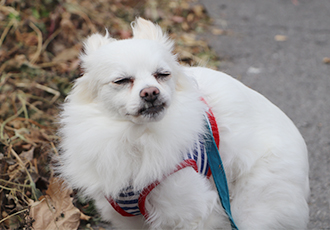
149, 94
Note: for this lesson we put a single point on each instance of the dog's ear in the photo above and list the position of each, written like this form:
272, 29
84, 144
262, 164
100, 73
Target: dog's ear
95, 41
85, 87
144, 29
91, 44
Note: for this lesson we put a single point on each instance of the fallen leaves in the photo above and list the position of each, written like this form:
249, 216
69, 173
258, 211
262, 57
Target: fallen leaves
55, 209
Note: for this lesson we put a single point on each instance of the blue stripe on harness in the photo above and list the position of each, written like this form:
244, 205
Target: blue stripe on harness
218, 173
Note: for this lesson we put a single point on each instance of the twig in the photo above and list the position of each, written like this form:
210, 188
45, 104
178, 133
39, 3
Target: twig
4, 78
8, 120
54, 148
26, 114
32, 122
32, 184
16, 190
48, 64
12, 183
49, 90
14, 214
39, 49
6, 188
6, 31
35, 164
21, 163
56, 93
20, 136
38, 111
51, 37
24, 195
9, 9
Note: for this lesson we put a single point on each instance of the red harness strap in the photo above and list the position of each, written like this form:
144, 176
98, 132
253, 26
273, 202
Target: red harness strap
145, 192
214, 125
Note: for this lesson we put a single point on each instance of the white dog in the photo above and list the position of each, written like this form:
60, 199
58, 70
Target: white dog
135, 115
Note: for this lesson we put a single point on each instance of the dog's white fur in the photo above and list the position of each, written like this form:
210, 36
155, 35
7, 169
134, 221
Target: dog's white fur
107, 144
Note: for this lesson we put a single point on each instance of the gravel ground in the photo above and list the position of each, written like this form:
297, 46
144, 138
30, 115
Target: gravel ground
278, 48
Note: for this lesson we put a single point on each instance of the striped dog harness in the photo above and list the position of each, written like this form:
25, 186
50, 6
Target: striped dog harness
132, 203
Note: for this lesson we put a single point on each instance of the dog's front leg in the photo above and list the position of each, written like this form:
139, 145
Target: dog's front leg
185, 200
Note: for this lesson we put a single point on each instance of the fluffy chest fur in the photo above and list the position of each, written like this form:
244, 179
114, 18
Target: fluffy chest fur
124, 153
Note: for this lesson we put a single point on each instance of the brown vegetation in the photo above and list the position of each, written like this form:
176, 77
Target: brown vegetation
40, 42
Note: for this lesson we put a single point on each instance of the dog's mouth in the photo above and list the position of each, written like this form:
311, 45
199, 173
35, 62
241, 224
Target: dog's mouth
151, 109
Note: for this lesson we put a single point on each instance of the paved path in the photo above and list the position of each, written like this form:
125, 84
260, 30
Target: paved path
277, 48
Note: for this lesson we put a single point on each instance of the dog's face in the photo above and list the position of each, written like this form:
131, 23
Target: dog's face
134, 79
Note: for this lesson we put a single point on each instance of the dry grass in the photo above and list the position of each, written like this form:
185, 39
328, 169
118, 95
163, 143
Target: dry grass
40, 42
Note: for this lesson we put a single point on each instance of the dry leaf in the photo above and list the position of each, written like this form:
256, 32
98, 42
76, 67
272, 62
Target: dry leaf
190, 40
36, 136
84, 217
326, 60
55, 210
27, 155
198, 10
190, 17
177, 19
217, 31
281, 38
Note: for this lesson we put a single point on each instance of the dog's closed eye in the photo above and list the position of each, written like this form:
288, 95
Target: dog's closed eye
123, 81
162, 75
